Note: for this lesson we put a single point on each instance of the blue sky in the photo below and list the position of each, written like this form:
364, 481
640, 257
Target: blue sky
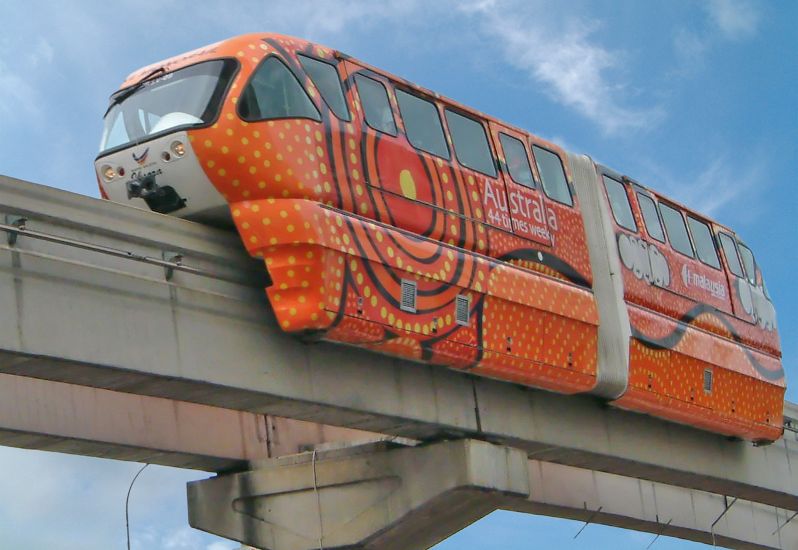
694, 98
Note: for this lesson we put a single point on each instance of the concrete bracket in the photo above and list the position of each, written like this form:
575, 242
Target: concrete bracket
370, 496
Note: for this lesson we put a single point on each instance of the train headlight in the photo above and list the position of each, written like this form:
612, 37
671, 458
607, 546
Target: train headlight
178, 148
108, 173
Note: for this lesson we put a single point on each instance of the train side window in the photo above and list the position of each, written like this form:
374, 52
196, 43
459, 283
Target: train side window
423, 124
470, 143
677, 231
749, 263
325, 76
619, 204
650, 217
376, 106
552, 175
704, 245
274, 92
730, 250
516, 160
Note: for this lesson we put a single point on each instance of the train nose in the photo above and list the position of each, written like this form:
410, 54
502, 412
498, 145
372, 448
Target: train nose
164, 175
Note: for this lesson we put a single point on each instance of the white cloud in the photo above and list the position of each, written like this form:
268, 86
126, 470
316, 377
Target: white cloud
319, 20
735, 19
221, 546
18, 74
575, 70
63, 502
16, 94
184, 538
727, 20
716, 188
42, 52
690, 49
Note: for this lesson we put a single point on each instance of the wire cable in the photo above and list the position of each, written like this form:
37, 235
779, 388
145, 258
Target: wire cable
318, 502
127, 504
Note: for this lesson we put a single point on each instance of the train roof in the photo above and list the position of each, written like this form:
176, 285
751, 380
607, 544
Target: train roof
245, 48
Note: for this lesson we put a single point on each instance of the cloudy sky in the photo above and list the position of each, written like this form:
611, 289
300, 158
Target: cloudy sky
695, 98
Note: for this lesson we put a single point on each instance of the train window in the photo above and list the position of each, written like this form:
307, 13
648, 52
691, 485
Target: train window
187, 97
470, 143
730, 250
274, 92
749, 263
677, 231
376, 106
619, 204
553, 175
516, 160
650, 217
325, 77
704, 244
422, 123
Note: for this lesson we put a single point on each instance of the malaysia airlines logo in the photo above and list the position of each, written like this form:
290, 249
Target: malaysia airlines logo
141, 159
691, 278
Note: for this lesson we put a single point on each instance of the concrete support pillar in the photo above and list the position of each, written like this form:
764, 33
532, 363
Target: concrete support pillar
370, 496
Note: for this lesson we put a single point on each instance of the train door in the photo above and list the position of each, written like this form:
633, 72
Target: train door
649, 252
750, 300
519, 198
695, 263
735, 274
636, 250
396, 178
569, 257
409, 163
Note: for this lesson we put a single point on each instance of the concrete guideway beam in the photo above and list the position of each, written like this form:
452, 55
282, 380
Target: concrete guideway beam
597, 497
409, 498
83, 316
55, 416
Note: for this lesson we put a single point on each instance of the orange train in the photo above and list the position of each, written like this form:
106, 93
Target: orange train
393, 219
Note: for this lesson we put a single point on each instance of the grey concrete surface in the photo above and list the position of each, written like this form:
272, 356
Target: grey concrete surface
67, 418
410, 498
97, 319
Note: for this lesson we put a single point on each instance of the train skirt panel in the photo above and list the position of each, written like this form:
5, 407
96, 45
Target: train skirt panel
350, 280
686, 374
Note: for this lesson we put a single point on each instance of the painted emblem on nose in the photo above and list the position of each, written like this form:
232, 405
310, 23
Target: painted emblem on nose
142, 158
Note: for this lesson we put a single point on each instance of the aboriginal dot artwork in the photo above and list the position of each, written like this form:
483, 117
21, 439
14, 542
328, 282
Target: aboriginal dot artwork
373, 242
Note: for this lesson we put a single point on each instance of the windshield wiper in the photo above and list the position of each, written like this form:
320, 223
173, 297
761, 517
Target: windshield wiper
120, 97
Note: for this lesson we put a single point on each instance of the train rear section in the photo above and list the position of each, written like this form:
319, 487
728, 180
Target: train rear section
703, 345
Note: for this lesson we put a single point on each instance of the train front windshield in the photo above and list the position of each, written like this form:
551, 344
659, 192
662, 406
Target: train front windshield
187, 97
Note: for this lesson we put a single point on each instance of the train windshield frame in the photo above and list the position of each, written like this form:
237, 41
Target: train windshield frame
188, 97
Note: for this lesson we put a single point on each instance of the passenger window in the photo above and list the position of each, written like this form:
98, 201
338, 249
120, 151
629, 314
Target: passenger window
749, 263
650, 217
274, 92
376, 106
422, 123
325, 77
517, 161
704, 245
619, 204
677, 231
470, 143
730, 250
553, 175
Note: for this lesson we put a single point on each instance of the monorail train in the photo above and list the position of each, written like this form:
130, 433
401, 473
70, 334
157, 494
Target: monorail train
393, 219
